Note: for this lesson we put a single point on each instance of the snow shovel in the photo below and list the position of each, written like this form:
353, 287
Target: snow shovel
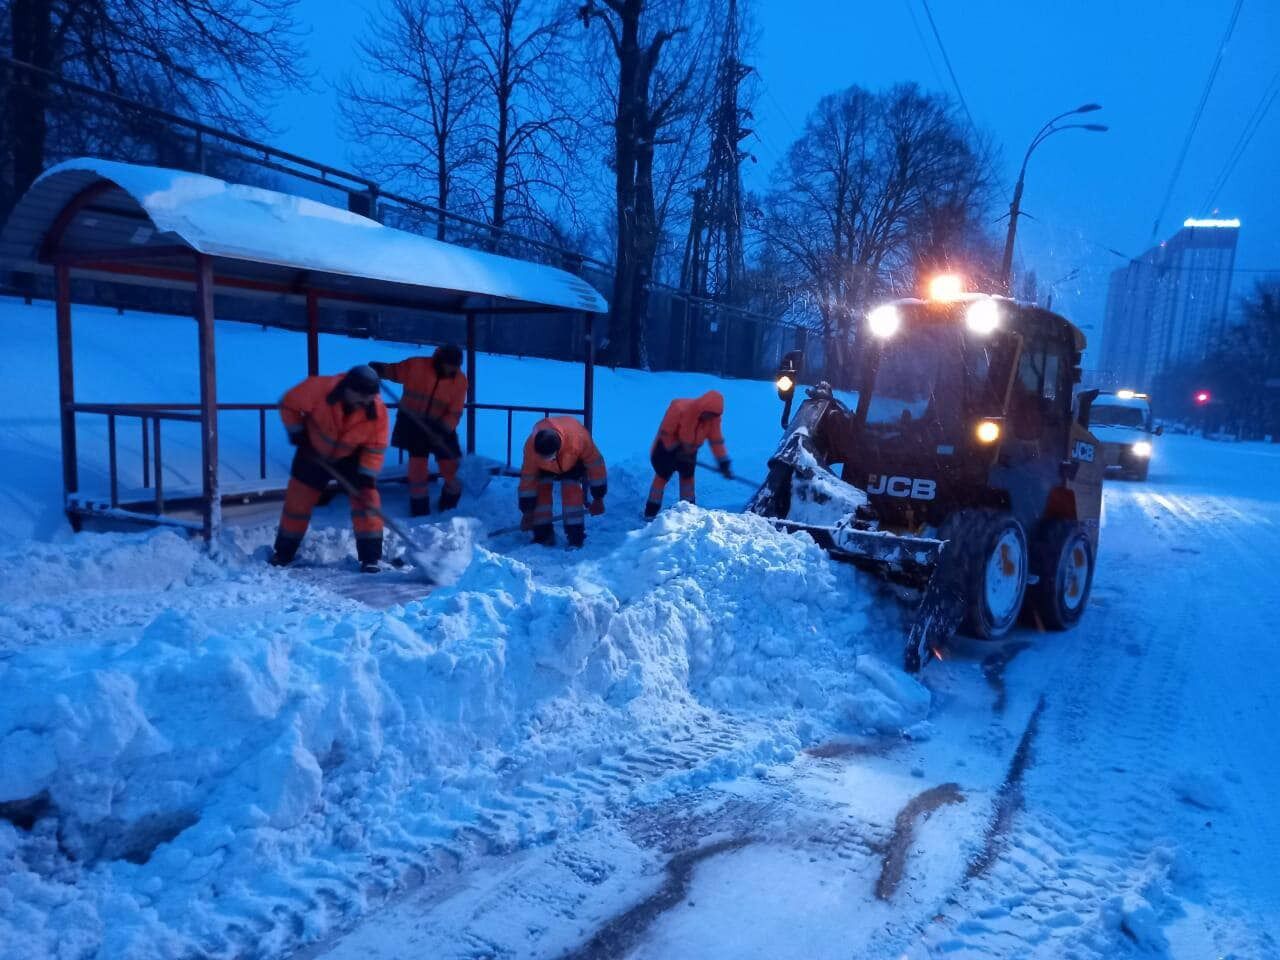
421, 559
735, 478
474, 476
516, 528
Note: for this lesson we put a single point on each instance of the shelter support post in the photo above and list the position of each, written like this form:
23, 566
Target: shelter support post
589, 371
471, 383
313, 334
66, 387
209, 492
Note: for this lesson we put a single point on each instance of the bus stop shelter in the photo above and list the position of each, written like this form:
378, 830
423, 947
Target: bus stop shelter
164, 228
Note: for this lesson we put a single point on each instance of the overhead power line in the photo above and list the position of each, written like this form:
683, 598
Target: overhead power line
1195, 118
1265, 103
924, 44
951, 70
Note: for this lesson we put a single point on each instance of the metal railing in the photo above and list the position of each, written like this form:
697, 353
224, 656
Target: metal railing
513, 409
151, 416
688, 325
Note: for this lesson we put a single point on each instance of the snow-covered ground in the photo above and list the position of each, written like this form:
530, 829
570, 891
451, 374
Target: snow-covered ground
688, 739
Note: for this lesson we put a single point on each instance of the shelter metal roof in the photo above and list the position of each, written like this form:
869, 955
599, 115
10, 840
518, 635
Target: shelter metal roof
265, 241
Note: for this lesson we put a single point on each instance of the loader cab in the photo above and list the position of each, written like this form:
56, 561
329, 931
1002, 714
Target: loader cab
966, 402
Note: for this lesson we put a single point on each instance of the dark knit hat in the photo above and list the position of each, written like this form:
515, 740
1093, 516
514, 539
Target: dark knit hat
362, 379
546, 443
450, 354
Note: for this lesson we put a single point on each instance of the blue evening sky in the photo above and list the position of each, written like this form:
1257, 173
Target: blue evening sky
1018, 63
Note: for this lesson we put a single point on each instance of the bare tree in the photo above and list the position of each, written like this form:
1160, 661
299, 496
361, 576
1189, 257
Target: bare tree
413, 112
655, 57
527, 134
869, 175
224, 60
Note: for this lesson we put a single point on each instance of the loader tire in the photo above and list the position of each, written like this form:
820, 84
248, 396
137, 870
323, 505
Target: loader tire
992, 548
1063, 560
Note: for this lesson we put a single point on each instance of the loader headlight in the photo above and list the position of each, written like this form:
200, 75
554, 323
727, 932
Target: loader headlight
982, 316
788, 373
987, 431
1141, 449
884, 321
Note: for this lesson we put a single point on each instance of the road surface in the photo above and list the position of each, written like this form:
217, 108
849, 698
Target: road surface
1104, 792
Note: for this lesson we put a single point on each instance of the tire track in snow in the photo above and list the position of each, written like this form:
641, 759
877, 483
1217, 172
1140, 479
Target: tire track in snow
1090, 846
895, 856
623, 932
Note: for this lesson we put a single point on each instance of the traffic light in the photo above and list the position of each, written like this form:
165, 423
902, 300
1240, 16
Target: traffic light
1203, 397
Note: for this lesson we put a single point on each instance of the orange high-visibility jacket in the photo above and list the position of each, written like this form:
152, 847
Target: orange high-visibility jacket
577, 449
315, 405
426, 393
682, 427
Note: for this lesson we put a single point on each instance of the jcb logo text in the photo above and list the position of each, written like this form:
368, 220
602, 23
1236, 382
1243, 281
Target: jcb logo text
916, 489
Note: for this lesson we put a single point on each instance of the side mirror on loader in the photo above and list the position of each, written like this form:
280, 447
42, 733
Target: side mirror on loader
1086, 399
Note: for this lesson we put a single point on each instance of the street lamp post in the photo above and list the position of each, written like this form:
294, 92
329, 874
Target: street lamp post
1044, 133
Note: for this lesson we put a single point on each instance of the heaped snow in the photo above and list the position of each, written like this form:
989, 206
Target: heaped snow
251, 223
689, 739
214, 757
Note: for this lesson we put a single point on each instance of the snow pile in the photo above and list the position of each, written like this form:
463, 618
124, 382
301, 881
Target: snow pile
750, 618
204, 763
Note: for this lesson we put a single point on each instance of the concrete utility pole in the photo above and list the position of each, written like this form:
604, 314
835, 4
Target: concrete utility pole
1015, 207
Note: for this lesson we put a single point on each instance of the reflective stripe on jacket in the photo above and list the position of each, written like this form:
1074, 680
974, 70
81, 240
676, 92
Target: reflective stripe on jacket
334, 432
577, 455
428, 394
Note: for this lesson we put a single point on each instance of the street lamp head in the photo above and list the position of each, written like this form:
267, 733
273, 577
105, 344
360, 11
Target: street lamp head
1097, 127
1088, 108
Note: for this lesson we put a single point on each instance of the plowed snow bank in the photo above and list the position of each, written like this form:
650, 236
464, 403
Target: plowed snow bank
211, 749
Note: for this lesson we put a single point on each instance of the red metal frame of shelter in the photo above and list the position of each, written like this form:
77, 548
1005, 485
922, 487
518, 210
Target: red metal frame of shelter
136, 265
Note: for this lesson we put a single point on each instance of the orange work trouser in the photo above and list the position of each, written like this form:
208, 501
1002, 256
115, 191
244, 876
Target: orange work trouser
571, 502
300, 499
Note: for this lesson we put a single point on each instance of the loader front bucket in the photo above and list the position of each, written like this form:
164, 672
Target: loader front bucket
920, 560
940, 612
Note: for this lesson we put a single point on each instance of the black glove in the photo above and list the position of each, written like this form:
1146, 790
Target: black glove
527, 504
379, 367
726, 469
365, 481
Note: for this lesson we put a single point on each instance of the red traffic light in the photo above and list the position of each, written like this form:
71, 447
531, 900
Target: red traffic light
1203, 397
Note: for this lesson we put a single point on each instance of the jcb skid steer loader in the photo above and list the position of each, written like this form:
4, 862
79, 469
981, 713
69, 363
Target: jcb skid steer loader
967, 469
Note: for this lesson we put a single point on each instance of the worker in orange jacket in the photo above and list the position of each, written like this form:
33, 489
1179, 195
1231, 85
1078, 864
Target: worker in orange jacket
435, 392
340, 421
560, 450
688, 423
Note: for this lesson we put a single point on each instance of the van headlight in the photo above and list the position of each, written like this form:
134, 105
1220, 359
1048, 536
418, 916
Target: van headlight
1141, 449
884, 321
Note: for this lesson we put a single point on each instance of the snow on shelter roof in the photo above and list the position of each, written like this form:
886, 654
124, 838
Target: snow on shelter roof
263, 235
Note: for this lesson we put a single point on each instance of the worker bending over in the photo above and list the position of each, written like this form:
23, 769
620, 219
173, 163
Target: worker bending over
338, 425
560, 450
688, 423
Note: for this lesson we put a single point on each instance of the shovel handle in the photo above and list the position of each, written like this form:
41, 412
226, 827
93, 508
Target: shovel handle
503, 531
416, 420
736, 479
352, 490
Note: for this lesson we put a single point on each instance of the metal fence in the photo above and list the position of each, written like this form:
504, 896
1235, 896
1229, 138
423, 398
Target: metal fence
683, 332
